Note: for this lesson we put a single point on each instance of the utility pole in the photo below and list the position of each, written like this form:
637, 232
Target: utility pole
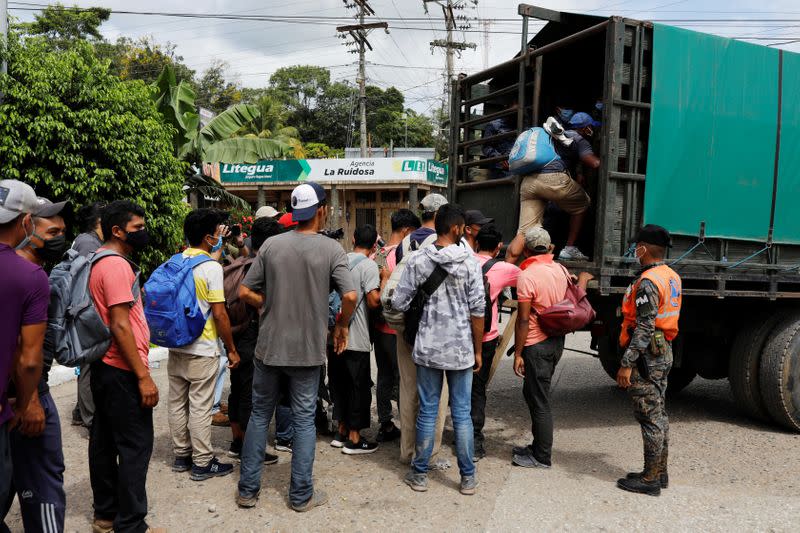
358, 33
453, 22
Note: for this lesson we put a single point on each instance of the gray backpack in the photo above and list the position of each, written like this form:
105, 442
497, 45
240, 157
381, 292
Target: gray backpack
76, 335
394, 318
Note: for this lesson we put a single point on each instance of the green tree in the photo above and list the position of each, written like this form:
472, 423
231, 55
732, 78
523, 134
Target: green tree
72, 130
299, 88
214, 92
143, 59
63, 26
334, 115
321, 151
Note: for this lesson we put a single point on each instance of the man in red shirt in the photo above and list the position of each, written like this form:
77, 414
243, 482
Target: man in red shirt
500, 275
121, 440
541, 284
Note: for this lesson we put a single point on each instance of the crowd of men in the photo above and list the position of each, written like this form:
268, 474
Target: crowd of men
311, 312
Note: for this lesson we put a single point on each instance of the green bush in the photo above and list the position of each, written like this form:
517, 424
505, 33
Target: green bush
74, 131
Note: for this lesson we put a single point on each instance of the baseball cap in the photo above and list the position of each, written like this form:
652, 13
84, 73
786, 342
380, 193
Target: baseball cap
475, 217
16, 198
47, 209
266, 211
537, 239
432, 202
581, 120
286, 221
306, 199
653, 234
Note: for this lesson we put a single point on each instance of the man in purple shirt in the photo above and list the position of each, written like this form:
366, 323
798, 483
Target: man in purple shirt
25, 293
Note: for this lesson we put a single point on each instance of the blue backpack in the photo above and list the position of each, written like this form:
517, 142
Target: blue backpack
170, 302
532, 151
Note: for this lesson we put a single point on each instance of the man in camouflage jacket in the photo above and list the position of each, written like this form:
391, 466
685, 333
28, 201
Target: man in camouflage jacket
645, 366
448, 342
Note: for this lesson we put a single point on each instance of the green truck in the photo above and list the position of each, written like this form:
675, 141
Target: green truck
700, 134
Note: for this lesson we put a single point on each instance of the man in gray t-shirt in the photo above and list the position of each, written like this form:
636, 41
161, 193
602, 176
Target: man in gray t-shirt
349, 372
290, 281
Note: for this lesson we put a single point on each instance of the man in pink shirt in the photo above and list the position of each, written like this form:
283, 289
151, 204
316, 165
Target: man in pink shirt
541, 284
500, 275
121, 439
404, 221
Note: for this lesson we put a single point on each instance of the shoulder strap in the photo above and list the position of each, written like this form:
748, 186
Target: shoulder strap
487, 266
198, 260
434, 280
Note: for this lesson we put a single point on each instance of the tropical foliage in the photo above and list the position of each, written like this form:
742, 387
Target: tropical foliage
101, 138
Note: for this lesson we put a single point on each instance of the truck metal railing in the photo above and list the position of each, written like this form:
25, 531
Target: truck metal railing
464, 126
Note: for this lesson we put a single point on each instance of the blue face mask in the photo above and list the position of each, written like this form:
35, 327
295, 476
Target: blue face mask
217, 246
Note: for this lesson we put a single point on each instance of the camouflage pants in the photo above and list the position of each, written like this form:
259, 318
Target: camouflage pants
650, 411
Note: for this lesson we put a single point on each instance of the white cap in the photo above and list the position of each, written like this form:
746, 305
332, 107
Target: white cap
306, 199
266, 211
16, 198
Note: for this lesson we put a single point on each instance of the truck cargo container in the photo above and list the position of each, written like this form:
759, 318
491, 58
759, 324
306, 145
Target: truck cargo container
700, 134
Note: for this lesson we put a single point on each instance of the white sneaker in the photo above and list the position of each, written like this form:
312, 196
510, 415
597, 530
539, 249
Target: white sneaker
571, 253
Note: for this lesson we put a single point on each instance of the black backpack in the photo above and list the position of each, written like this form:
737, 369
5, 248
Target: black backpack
487, 294
413, 316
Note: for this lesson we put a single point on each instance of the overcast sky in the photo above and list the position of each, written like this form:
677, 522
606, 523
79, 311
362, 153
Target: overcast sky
253, 50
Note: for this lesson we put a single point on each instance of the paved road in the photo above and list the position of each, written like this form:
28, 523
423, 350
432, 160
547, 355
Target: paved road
727, 473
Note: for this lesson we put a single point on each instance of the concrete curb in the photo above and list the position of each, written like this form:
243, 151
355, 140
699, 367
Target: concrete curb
64, 374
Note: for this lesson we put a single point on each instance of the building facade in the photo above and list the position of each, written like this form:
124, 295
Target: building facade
360, 191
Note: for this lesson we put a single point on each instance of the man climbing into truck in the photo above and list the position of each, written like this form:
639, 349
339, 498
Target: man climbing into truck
555, 183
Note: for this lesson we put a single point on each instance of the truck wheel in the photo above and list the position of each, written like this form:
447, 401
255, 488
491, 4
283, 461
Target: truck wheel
744, 365
679, 379
611, 366
780, 373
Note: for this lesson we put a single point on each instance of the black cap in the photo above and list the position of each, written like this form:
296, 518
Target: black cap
47, 209
473, 216
652, 234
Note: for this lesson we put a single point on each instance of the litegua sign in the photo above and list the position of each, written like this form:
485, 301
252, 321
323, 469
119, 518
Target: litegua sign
335, 171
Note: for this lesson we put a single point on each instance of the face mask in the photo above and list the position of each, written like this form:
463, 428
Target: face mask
217, 246
52, 249
138, 240
636, 254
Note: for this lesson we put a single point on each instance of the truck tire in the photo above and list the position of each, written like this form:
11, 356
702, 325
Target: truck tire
679, 379
611, 367
780, 373
744, 365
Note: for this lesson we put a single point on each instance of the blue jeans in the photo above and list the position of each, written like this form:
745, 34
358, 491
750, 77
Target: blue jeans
303, 390
223, 369
283, 423
429, 386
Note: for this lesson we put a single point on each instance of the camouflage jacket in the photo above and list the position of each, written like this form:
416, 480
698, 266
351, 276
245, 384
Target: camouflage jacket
647, 300
444, 340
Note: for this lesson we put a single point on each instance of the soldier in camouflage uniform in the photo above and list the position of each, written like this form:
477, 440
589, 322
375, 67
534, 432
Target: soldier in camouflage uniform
449, 340
651, 309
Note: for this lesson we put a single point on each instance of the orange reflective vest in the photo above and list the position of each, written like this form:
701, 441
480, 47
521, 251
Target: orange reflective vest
669, 303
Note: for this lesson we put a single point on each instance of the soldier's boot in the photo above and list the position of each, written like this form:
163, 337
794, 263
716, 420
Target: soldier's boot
663, 474
646, 482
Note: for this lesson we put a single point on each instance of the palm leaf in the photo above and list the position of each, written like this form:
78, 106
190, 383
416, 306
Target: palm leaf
210, 188
245, 150
224, 125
